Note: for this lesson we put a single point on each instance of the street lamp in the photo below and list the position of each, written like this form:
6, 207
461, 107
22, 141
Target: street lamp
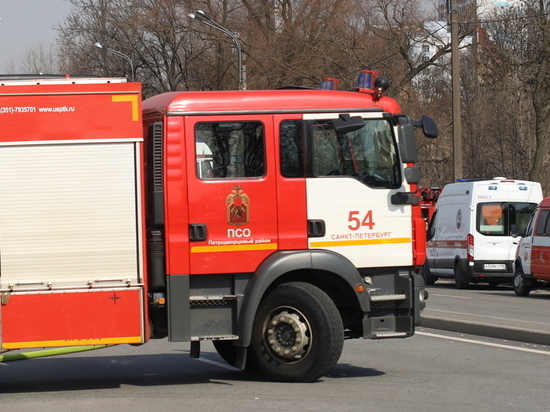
204, 18
455, 75
116, 53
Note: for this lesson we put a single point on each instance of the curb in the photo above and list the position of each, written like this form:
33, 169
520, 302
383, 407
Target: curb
490, 331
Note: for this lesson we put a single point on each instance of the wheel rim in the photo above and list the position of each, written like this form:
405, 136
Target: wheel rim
287, 335
518, 282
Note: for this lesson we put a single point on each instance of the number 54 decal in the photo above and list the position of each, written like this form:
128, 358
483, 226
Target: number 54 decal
357, 220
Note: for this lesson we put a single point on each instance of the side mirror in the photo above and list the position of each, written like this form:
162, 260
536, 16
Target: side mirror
514, 230
407, 143
429, 127
412, 174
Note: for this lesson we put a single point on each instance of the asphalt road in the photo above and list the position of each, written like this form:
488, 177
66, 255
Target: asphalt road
432, 371
436, 370
488, 311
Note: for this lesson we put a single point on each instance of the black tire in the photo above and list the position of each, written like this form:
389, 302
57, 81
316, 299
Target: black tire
519, 283
460, 277
298, 334
429, 279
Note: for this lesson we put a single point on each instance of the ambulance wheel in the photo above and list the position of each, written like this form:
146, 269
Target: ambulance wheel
460, 278
297, 335
429, 279
520, 286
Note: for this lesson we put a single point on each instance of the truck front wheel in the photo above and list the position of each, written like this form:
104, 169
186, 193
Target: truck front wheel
297, 335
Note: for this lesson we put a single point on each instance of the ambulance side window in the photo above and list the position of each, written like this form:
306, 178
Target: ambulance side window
292, 152
431, 227
543, 225
529, 228
230, 150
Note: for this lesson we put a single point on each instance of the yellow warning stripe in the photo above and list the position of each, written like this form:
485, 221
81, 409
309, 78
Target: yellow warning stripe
71, 342
133, 99
234, 248
362, 242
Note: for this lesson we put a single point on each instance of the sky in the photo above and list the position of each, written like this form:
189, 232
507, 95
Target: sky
26, 24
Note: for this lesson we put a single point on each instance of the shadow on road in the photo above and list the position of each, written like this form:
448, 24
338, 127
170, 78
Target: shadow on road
111, 372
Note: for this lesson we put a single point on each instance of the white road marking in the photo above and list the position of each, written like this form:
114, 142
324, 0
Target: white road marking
477, 342
450, 296
480, 316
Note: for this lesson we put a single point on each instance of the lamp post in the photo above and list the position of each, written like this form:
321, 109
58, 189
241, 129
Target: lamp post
455, 75
116, 53
204, 18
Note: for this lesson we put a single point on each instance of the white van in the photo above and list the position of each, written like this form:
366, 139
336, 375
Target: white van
469, 236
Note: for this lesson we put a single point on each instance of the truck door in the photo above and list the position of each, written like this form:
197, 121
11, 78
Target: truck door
231, 184
351, 178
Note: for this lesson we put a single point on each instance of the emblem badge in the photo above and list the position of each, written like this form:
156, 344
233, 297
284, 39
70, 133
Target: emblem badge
238, 207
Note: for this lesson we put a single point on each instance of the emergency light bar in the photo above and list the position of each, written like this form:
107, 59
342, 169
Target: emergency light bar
365, 81
330, 84
369, 82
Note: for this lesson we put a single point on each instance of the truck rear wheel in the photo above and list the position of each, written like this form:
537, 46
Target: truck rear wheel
520, 285
298, 334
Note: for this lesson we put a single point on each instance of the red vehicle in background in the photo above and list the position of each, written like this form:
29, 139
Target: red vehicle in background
428, 200
532, 264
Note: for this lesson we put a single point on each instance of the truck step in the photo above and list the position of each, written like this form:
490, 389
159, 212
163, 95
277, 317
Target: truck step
382, 335
386, 298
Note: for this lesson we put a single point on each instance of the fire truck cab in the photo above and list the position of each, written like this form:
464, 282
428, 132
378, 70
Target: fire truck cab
273, 223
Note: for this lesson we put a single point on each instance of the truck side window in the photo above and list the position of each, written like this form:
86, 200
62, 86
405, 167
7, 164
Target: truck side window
292, 152
368, 154
230, 149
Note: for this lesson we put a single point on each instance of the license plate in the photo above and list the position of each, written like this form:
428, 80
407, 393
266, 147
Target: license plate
494, 266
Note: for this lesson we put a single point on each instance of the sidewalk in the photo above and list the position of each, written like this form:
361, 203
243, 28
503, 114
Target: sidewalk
496, 313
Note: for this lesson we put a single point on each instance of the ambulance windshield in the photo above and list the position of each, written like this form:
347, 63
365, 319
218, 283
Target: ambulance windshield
368, 154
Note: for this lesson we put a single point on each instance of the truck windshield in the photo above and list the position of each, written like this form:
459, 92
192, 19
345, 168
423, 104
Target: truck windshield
368, 154
496, 218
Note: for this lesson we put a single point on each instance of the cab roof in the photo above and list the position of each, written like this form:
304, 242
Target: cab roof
267, 101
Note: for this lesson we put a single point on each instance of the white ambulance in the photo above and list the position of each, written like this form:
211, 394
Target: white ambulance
469, 236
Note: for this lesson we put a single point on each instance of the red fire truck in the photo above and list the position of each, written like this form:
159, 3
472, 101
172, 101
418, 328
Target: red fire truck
273, 223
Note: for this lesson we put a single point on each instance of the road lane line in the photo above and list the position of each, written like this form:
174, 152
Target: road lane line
450, 296
495, 345
482, 316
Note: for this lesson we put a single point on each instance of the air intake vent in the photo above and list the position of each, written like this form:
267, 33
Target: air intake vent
156, 135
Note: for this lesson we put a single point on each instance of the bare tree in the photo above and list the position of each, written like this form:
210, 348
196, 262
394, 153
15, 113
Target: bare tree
518, 48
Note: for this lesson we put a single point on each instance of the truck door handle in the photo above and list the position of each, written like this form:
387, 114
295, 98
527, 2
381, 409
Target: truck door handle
197, 232
316, 228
